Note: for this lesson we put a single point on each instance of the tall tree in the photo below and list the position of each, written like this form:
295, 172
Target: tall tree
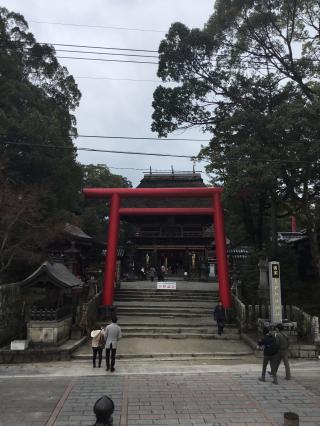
239, 79
40, 188
37, 96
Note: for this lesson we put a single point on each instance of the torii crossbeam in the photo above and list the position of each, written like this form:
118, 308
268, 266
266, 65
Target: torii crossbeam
116, 194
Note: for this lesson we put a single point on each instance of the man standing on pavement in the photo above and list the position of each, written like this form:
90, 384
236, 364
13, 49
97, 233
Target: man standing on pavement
270, 354
219, 315
283, 354
111, 335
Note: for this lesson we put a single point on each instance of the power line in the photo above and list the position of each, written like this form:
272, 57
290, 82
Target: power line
119, 79
142, 138
107, 53
101, 47
189, 157
97, 53
107, 27
96, 150
107, 60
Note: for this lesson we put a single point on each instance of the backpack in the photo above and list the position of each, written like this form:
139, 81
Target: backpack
283, 341
271, 345
101, 340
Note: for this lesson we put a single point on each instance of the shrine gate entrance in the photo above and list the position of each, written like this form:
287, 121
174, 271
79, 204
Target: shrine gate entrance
116, 194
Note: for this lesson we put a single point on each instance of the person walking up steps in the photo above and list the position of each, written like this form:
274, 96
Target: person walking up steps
219, 315
283, 354
112, 335
270, 354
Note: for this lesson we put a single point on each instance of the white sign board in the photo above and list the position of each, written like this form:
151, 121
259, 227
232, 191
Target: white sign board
212, 270
275, 292
166, 285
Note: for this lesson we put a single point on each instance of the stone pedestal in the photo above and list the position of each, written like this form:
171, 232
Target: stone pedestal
49, 332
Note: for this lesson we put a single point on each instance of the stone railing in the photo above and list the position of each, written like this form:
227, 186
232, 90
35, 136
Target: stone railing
247, 317
88, 313
239, 312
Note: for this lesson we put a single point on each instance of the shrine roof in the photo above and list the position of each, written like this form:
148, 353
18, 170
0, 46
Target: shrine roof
57, 272
76, 232
169, 180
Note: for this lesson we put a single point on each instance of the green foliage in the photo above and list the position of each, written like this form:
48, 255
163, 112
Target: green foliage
251, 78
94, 213
36, 97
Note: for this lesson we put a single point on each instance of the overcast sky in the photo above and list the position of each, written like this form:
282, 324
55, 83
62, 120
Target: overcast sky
117, 107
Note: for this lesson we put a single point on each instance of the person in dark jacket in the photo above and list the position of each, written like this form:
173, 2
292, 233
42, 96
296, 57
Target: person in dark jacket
270, 354
219, 315
283, 354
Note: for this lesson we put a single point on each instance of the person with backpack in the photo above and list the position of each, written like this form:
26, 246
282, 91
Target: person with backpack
283, 353
270, 354
97, 345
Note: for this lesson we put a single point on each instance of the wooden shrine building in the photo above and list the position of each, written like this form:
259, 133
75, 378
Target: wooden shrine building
180, 243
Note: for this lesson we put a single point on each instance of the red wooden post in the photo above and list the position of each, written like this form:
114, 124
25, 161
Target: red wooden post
111, 258
221, 252
293, 224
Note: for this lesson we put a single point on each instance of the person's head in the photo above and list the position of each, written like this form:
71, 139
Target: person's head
220, 304
114, 319
280, 327
265, 330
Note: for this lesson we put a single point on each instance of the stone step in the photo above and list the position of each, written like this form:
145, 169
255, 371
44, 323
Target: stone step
182, 335
187, 356
165, 298
166, 305
177, 293
166, 329
170, 315
163, 308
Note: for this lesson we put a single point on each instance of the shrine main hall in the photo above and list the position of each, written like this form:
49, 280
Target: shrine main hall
182, 244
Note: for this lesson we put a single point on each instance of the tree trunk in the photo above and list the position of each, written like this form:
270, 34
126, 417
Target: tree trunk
273, 227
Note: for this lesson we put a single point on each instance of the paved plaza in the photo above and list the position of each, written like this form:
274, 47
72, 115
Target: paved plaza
167, 393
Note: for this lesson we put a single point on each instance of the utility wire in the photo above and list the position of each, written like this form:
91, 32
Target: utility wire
107, 53
235, 159
142, 138
97, 26
119, 79
100, 47
106, 60
96, 150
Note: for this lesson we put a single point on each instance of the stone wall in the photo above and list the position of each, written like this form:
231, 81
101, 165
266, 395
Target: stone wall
11, 313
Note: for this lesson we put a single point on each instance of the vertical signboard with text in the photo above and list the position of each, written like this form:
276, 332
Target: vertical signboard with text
275, 292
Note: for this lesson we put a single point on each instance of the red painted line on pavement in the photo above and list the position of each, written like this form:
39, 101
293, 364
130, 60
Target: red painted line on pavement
59, 406
124, 409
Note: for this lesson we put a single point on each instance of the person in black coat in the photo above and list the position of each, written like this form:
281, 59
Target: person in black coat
270, 354
219, 315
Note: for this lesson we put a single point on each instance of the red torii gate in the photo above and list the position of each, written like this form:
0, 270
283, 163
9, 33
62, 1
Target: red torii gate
114, 220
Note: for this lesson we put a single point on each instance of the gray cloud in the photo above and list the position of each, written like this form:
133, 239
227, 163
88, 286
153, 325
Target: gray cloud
111, 107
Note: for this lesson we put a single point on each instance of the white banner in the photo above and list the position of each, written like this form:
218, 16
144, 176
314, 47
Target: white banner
166, 285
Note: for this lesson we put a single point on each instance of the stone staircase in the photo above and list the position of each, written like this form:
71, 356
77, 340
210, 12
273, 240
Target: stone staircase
165, 325
151, 313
